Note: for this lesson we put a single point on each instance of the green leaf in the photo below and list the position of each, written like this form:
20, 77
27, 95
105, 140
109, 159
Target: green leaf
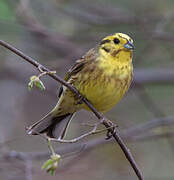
51, 164
30, 85
52, 172
48, 164
39, 84
35, 81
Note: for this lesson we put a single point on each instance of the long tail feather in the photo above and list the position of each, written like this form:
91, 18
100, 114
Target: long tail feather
54, 127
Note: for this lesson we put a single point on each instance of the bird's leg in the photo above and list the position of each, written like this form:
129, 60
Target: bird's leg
111, 131
110, 126
108, 135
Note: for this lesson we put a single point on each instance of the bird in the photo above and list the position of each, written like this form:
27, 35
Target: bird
103, 76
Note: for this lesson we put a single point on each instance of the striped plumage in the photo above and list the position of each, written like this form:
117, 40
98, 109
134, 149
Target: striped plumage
102, 76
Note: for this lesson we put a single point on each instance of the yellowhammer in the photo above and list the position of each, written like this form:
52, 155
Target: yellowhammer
102, 76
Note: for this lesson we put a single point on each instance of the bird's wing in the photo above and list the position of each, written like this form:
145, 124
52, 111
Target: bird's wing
78, 66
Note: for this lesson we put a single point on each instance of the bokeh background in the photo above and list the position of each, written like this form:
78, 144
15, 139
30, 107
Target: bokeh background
56, 33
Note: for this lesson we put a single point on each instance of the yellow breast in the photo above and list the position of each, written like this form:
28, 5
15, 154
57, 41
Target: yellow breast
106, 85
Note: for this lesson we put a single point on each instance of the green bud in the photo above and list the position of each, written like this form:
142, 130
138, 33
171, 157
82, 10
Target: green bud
51, 164
35, 81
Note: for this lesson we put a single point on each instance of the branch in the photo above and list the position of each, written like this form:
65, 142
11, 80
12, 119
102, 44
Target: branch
142, 76
133, 134
139, 133
105, 122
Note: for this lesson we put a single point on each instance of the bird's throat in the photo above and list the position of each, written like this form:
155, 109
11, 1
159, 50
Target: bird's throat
115, 63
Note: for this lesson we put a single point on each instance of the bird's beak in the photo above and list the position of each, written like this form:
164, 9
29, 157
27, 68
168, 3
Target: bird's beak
129, 45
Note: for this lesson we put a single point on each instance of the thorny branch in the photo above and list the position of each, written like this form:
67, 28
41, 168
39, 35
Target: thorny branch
108, 124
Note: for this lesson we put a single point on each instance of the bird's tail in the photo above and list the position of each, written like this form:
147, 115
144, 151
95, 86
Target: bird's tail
54, 127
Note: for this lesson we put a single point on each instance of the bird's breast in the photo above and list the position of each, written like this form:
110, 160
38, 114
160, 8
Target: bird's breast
103, 90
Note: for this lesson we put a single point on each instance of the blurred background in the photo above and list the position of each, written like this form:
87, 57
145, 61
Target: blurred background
58, 32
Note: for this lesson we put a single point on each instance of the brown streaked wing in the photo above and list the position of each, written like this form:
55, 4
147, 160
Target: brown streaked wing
78, 66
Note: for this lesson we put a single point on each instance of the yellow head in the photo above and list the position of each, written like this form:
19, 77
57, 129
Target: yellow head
114, 44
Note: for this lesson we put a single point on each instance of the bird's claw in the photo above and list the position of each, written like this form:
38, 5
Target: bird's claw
111, 131
108, 135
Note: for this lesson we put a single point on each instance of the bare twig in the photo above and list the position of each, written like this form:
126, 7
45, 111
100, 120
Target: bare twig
142, 76
106, 122
138, 133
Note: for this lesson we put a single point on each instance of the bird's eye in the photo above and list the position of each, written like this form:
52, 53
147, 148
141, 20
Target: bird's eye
116, 41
